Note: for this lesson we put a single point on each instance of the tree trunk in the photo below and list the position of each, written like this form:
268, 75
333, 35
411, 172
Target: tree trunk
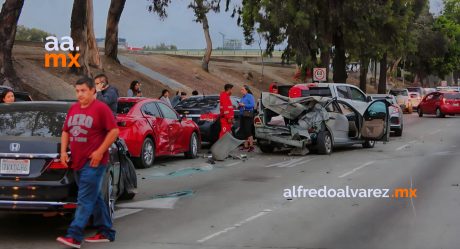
93, 51
78, 32
207, 54
111, 34
382, 89
339, 61
9, 16
363, 69
325, 58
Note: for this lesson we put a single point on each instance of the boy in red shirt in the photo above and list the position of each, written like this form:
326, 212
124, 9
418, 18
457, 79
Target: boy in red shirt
226, 110
90, 128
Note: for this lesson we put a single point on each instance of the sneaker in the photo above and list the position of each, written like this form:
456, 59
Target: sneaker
69, 242
99, 237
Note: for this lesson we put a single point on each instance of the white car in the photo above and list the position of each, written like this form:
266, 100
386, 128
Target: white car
345, 92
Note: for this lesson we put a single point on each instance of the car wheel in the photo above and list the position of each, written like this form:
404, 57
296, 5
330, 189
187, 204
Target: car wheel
439, 114
266, 148
147, 154
369, 144
324, 143
193, 147
110, 196
420, 112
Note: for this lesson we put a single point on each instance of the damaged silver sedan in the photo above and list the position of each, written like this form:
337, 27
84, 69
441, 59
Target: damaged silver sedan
318, 124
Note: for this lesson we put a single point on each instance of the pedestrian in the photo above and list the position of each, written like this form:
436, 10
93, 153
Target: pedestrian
246, 107
7, 96
134, 89
165, 97
273, 88
89, 129
226, 110
106, 93
195, 93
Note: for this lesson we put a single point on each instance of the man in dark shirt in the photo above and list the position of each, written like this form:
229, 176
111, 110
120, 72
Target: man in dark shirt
106, 93
89, 129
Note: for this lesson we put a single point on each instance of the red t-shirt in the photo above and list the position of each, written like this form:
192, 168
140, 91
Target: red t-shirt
87, 128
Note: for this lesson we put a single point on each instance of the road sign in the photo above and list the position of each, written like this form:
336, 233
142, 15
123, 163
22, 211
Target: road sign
319, 74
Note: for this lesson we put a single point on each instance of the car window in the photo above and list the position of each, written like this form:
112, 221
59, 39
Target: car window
377, 110
342, 92
331, 107
345, 109
124, 107
198, 103
32, 123
357, 95
399, 92
235, 102
436, 96
429, 97
167, 111
452, 95
151, 110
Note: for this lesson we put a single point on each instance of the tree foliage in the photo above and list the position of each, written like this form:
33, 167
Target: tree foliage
31, 34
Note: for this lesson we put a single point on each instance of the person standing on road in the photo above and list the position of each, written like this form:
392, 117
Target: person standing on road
246, 107
90, 129
134, 89
226, 110
195, 93
165, 97
106, 93
178, 98
7, 96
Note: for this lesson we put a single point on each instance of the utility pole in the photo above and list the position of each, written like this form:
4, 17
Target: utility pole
223, 39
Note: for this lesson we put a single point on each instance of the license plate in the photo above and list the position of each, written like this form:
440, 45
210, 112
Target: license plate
14, 166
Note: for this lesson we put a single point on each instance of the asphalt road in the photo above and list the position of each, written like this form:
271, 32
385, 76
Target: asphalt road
240, 204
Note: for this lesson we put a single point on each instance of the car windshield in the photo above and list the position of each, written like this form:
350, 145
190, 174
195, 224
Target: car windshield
199, 102
317, 91
32, 123
125, 107
452, 95
388, 98
399, 92
413, 89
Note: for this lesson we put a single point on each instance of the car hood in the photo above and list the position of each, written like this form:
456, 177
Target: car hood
293, 108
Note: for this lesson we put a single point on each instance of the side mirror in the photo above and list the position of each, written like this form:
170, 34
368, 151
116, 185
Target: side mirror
369, 99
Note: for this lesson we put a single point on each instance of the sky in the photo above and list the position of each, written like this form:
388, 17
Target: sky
139, 26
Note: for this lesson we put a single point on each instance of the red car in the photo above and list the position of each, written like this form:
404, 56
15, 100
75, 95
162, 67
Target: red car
440, 103
150, 129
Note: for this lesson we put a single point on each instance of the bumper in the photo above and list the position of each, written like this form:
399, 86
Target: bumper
395, 122
35, 206
450, 109
281, 136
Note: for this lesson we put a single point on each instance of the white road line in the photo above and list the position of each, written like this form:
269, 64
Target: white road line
434, 132
161, 203
299, 163
402, 147
285, 163
358, 168
260, 214
125, 212
413, 141
232, 164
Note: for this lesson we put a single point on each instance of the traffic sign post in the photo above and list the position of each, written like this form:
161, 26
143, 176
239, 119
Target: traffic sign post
319, 74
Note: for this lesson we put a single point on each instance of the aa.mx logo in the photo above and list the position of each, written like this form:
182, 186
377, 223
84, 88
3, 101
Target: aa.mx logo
67, 49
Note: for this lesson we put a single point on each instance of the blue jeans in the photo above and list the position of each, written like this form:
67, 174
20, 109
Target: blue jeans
90, 202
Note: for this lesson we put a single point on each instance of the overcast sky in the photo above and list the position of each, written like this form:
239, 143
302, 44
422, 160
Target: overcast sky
139, 26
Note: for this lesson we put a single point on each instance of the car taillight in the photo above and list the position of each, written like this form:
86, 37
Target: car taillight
125, 123
211, 117
257, 121
70, 206
394, 109
56, 165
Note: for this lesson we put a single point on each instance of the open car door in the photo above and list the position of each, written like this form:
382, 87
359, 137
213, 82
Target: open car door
376, 121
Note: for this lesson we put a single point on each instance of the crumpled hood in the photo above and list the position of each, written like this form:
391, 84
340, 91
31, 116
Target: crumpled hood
293, 108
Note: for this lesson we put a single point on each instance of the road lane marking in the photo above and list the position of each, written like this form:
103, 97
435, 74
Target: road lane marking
299, 163
160, 203
357, 168
125, 212
285, 163
232, 164
413, 142
402, 147
434, 132
258, 215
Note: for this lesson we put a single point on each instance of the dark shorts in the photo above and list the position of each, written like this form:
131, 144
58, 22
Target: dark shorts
246, 128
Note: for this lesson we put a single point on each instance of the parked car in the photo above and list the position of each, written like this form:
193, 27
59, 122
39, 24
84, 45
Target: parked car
428, 91
345, 92
204, 111
32, 177
440, 104
396, 113
402, 98
415, 99
416, 89
150, 129
18, 95
318, 123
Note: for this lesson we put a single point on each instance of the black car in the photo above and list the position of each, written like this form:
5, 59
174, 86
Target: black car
18, 96
204, 111
31, 176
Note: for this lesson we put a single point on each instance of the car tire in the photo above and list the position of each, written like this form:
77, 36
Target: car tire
439, 114
420, 112
193, 147
147, 157
369, 144
109, 195
324, 143
399, 131
266, 148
